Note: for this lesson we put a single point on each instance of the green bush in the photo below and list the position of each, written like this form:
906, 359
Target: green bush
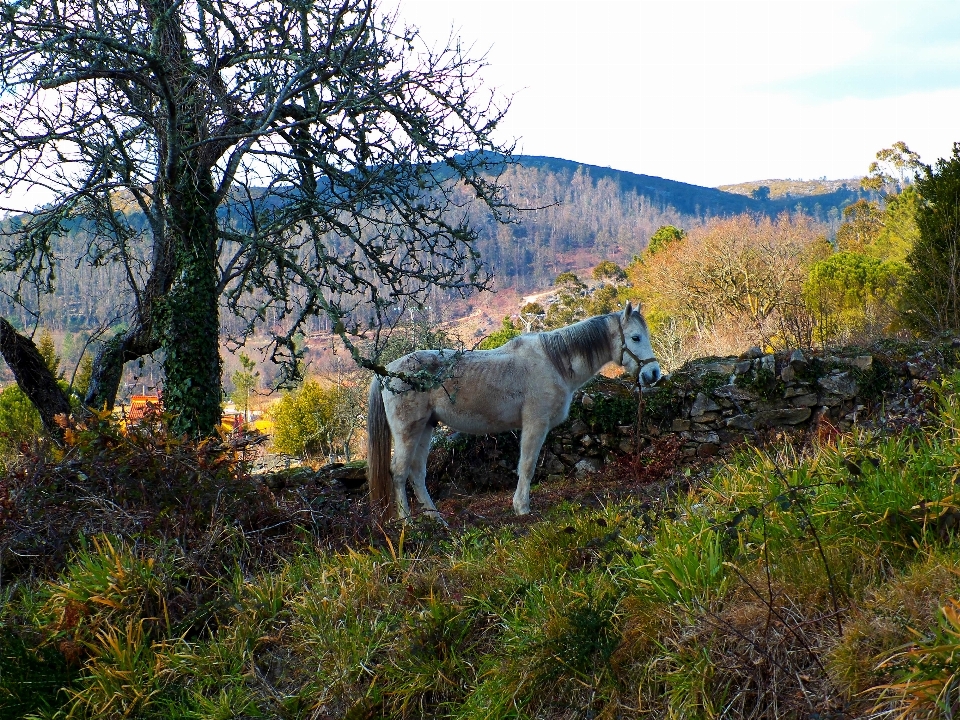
316, 420
851, 294
933, 291
507, 332
19, 421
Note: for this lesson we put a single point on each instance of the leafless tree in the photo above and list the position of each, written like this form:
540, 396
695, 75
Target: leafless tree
285, 158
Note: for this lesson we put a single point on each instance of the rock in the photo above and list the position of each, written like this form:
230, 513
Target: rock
707, 437
605, 440
586, 441
808, 400
552, 465
679, 425
783, 416
706, 418
863, 362
831, 400
587, 466
734, 393
741, 422
799, 389
625, 429
743, 367
707, 450
720, 368
797, 357
689, 451
839, 384
914, 370
702, 404
753, 353
769, 418
769, 363
350, 476
625, 446
587, 401
578, 427
788, 373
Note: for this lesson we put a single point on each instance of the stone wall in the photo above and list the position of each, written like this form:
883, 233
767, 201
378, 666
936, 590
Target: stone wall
708, 406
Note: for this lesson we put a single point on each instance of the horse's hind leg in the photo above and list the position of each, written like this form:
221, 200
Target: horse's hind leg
406, 442
418, 474
531, 440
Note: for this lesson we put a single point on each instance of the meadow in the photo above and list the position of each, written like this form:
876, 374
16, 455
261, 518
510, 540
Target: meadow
819, 581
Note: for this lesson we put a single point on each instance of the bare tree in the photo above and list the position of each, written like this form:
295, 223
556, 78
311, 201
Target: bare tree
283, 158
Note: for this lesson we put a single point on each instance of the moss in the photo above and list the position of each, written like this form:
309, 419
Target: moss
766, 384
613, 405
874, 381
711, 381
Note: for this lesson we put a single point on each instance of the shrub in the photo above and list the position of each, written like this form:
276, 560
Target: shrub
933, 288
317, 419
507, 332
853, 295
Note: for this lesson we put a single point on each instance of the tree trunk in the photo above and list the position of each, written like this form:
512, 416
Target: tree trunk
108, 365
191, 327
34, 378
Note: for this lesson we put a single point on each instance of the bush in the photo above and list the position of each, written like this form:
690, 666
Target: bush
507, 332
933, 288
851, 294
317, 420
105, 480
19, 421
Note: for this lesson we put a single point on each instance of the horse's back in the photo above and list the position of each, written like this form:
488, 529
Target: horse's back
483, 391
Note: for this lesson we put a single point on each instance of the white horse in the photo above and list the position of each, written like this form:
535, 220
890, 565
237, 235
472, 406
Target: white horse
527, 383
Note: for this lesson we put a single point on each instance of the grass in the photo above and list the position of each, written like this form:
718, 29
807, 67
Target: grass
787, 584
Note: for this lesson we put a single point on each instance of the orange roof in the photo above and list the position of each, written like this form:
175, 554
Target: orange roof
140, 404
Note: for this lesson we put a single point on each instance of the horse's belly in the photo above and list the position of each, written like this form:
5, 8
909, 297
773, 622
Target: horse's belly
481, 417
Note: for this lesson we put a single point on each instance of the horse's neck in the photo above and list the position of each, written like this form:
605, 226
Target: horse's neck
582, 367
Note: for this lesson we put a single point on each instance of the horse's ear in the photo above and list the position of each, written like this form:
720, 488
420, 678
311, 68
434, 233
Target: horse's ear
627, 310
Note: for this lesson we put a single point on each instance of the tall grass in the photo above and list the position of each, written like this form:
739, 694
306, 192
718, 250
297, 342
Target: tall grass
787, 584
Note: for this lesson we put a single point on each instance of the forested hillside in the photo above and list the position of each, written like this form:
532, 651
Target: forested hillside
571, 214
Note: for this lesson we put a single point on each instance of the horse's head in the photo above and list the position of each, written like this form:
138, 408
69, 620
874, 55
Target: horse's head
636, 355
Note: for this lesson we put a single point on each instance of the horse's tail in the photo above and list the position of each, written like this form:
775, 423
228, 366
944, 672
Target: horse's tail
379, 480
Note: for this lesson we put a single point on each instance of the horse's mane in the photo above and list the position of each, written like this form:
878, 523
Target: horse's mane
588, 340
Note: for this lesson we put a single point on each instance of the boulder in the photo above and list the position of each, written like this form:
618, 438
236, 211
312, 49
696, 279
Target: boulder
587, 466
839, 384
702, 404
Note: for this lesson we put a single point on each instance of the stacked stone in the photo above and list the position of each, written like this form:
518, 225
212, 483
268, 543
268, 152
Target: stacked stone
726, 413
578, 448
711, 418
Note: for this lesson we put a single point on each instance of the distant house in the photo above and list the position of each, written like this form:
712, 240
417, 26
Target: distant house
141, 406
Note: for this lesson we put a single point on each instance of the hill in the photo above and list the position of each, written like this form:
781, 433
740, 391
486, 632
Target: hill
702, 202
813, 579
575, 215
793, 188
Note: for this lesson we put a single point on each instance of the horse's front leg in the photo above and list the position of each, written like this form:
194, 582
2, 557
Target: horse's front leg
531, 440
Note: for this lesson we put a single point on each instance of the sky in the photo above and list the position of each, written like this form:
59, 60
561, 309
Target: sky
715, 92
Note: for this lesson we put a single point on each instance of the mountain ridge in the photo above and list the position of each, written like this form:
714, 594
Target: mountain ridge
701, 201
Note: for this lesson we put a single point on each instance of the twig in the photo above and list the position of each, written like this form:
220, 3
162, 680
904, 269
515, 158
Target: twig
823, 555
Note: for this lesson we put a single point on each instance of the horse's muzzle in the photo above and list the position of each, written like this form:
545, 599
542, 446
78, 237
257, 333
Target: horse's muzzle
650, 374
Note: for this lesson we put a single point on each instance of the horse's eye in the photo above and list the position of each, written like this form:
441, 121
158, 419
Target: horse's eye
636, 338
